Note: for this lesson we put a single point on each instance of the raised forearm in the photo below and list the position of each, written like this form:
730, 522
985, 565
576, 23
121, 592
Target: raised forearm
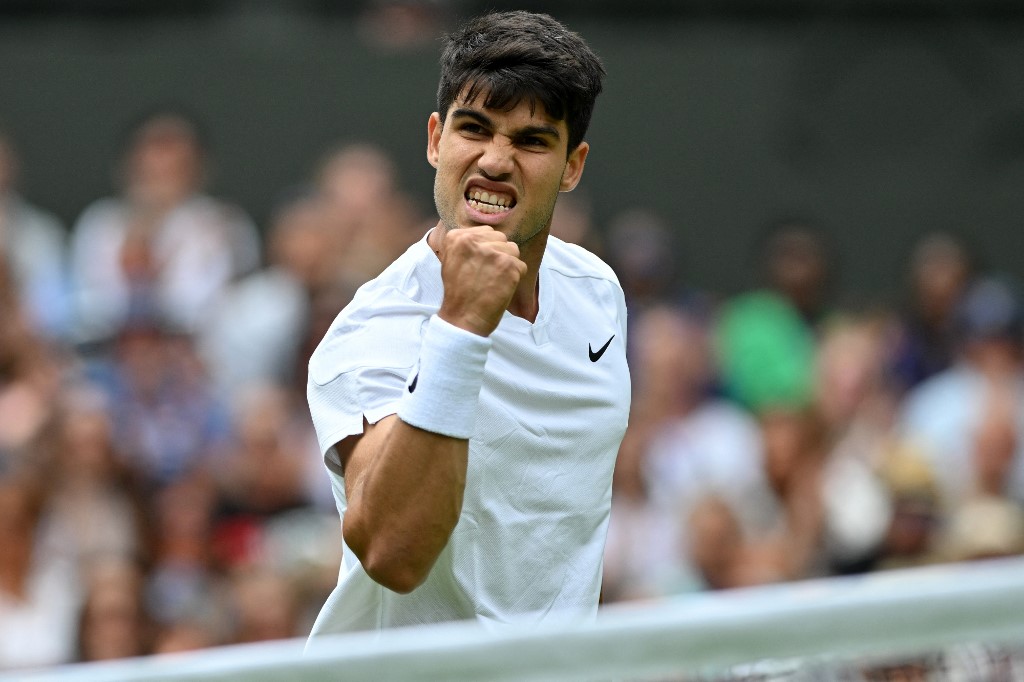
404, 506
406, 488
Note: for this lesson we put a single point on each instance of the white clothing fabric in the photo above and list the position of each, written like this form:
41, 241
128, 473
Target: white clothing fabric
641, 558
552, 411
941, 415
34, 242
39, 629
714, 450
82, 524
201, 246
253, 331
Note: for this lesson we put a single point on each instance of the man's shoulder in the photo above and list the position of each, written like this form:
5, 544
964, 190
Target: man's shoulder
101, 212
381, 326
572, 260
936, 400
33, 218
34, 232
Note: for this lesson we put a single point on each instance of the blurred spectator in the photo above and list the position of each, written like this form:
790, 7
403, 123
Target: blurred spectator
716, 544
986, 527
766, 336
912, 536
788, 544
682, 444
849, 389
264, 607
573, 222
269, 486
643, 254
167, 419
325, 304
39, 596
639, 557
186, 634
995, 442
796, 264
29, 378
255, 328
989, 523
184, 583
94, 502
264, 471
370, 219
33, 244
113, 622
700, 443
857, 411
765, 352
943, 415
304, 546
162, 245
940, 268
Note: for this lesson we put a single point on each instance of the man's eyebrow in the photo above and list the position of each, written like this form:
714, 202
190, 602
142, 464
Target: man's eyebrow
525, 131
473, 114
529, 131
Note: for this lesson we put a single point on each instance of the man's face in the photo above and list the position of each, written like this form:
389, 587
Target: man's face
500, 168
164, 165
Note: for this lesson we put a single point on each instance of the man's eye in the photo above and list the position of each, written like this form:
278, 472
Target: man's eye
473, 128
534, 141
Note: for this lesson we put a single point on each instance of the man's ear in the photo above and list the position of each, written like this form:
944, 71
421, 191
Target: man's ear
434, 126
574, 168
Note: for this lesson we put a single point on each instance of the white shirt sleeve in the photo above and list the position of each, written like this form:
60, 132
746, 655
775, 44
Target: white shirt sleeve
360, 369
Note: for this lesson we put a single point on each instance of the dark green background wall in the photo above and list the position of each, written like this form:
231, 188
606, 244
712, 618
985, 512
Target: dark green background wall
880, 126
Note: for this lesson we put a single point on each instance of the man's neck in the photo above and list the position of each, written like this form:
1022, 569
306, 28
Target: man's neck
526, 300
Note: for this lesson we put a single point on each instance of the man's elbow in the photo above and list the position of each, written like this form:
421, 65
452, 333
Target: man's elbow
397, 576
385, 563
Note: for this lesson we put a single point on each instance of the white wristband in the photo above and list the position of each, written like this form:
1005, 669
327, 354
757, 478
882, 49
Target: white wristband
444, 387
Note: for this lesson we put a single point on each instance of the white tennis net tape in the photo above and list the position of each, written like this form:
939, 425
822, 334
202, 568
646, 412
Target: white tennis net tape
878, 614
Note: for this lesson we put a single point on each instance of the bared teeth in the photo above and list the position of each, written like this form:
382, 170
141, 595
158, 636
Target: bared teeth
487, 202
487, 208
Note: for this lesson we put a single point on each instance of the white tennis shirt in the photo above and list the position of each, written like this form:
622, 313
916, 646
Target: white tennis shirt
552, 411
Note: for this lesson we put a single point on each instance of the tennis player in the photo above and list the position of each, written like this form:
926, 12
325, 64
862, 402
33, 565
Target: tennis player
470, 401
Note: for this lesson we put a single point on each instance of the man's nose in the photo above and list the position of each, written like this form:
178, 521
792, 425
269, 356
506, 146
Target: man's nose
497, 159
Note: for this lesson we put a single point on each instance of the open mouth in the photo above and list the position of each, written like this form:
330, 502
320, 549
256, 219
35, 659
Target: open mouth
489, 202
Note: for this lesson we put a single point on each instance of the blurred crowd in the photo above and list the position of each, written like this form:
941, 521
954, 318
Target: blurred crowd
161, 489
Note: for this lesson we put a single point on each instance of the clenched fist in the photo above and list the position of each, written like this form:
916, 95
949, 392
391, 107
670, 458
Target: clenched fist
480, 270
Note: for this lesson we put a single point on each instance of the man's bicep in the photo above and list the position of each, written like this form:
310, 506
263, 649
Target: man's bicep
357, 451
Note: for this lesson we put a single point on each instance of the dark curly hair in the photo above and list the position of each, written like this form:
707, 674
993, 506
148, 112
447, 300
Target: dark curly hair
509, 57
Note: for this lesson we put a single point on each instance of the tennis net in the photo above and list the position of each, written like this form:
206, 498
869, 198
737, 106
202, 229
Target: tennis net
961, 622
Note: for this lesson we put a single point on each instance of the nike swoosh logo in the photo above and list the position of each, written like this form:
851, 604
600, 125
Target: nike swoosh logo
594, 357
412, 386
